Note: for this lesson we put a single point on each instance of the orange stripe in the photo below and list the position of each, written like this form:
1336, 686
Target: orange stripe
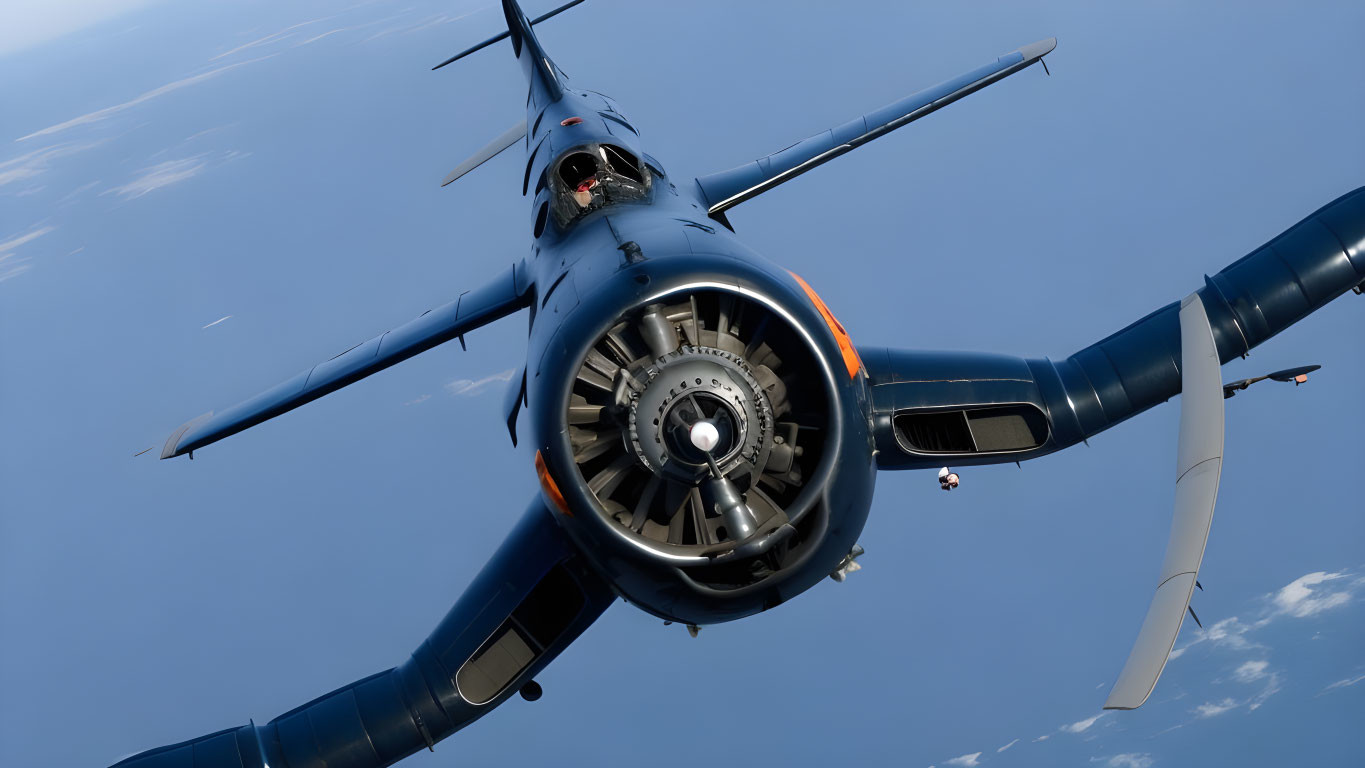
851, 360
548, 483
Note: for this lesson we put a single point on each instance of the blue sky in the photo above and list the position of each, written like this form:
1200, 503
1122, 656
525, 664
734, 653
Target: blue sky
197, 201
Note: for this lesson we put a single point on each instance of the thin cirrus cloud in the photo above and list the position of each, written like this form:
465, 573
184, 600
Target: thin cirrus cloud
13, 264
169, 172
215, 322
1343, 683
160, 175
108, 112
1125, 760
1007, 746
25, 24
969, 760
470, 388
33, 164
1250, 672
271, 38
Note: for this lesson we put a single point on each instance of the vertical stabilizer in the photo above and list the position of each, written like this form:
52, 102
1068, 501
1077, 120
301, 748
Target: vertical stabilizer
544, 77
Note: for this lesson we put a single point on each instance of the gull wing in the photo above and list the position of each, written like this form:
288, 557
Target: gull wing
504, 295
533, 598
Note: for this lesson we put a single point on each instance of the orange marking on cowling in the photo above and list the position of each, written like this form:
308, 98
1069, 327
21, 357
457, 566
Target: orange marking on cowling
549, 485
851, 360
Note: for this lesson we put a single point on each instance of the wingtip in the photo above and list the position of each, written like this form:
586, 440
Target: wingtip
1111, 704
1039, 49
172, 447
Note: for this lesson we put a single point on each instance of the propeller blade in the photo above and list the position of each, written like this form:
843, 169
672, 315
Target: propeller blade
1199, 462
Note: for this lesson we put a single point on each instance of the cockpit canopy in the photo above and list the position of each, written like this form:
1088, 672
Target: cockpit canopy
594, 176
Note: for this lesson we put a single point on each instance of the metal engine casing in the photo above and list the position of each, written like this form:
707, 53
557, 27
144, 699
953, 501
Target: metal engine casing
839, 493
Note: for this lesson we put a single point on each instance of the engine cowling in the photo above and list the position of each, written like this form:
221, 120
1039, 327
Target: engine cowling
676, 366
704, 427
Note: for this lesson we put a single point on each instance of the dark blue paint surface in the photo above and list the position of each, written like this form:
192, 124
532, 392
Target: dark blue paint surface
150, 532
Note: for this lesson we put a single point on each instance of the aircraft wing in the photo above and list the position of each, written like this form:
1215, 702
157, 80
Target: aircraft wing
502, 296
727, 189
533, 598
495, 147
933, 409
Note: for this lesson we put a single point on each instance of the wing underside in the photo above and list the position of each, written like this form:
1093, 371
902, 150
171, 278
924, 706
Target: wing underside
504, 295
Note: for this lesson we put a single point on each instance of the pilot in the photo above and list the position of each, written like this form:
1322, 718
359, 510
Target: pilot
947, 479
582, 192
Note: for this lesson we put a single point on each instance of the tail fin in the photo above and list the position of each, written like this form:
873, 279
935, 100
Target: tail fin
544, 77
513, 12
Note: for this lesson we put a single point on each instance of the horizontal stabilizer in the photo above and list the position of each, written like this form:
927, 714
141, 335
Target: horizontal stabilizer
512, 136
473, 309
730, 188
505, 35
1199, 464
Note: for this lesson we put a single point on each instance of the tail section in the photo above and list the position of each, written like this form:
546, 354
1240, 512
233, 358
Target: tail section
546, 80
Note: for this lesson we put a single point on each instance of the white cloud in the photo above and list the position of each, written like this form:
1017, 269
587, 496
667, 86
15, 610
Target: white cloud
35, 163
1227, 633
1344, 683
1125, 760
1213, 709
965, 761
423, 24
283, 33
1007, 746
12, 266
1081, 726
27, 23
1230, 632
215, 322
1272, 687
73, 194
1044, 737
1303, 597
160, 175
419, 399
28, 236
471, 388
107, 112
1250, 671
328, 33
11, 263
1299, 599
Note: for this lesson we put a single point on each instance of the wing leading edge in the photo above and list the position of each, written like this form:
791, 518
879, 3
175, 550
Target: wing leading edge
501, 297
727, 189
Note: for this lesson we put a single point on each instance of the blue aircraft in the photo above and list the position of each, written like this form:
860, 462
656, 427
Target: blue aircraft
706, 434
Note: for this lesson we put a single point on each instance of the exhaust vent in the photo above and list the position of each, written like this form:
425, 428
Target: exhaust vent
988, 429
